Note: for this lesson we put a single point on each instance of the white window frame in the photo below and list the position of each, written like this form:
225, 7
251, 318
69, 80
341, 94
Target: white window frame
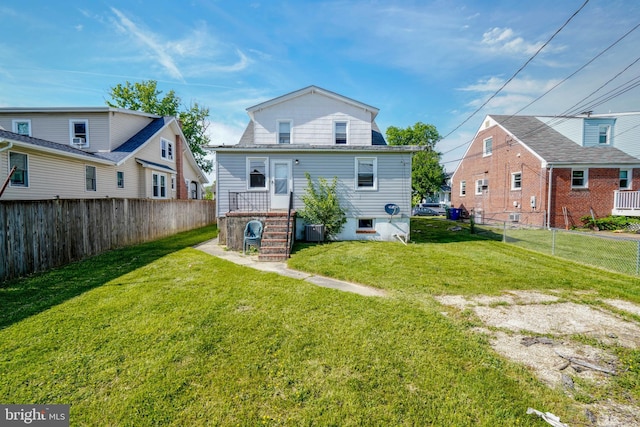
166, 149
193, 192
361, 228
16, 122
585, 178
628, 178
26, 171
278, 123
94, 180
157, 180
487, 143
118, 181
265, 161
463, 188
346, 132
515, 181
73, 134
606, 133
358, 187
479, 186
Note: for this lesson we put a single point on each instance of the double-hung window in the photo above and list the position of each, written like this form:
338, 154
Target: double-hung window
487, 146
166, 149
463, 188
22, 127
625, 179
90, 178
579, 178
159, 184
481, 184
366, 173
257, 173
20, 177
284, 132
340, 132
516, 181
120, 179
604, 133
79, 132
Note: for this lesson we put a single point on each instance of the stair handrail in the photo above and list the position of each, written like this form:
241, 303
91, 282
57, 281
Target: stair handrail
289, 241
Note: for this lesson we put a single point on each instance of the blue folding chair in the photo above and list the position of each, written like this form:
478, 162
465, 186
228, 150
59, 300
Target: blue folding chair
252, 235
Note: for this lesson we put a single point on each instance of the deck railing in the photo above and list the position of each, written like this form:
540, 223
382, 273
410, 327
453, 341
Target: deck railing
249, 201
626, 203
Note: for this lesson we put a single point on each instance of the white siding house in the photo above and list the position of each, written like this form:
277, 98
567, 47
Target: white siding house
326, 135
95, 153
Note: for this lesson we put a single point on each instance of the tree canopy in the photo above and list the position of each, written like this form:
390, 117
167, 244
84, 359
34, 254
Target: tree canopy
427, 174
145, 96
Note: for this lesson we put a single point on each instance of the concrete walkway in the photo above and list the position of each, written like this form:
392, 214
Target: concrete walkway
213, 248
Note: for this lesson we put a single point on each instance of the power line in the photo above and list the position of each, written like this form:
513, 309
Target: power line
519, 70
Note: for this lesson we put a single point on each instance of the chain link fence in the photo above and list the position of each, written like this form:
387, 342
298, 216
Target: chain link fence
620, 254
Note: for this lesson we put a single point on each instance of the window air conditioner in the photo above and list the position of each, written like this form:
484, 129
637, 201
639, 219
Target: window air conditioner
514, 217
78, 141
484, 183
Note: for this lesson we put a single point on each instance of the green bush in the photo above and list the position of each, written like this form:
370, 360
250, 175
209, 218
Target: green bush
322, 205
610, 222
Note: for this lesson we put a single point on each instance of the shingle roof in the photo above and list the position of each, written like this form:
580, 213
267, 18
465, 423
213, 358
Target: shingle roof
554, 147
46, 144
137, 140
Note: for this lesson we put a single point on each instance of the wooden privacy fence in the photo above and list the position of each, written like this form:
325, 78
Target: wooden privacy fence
39, 235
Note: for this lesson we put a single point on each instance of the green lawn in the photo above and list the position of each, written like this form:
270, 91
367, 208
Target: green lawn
163, 334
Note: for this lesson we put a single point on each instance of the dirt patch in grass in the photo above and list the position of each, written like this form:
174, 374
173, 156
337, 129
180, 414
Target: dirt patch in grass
565, 344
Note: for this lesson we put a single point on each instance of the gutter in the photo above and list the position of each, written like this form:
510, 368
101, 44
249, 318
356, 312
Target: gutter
549, 197
8, 147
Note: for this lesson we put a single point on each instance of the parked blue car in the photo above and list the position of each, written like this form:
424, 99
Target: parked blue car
422, 210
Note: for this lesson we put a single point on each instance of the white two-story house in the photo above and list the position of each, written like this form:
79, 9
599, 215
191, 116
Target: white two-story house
324, 134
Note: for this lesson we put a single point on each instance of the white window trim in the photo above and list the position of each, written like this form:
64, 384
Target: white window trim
9, 163
629, 179
586, 178
95, 179
14, 125
478, 188
361, 229
266, 174
346, 122
169, 147
166, 192
375, 174
484, 147
463, 188
608, 134
513, 181
72, 132
290, 121
123, 182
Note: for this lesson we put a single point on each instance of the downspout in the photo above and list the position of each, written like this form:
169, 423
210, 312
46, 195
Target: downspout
7, 147
549, 197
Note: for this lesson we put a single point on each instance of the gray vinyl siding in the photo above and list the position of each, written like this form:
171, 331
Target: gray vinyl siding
312, 118
626, 134
123, 126
393, 179
592, 131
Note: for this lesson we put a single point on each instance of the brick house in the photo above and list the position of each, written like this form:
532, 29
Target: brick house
522, 169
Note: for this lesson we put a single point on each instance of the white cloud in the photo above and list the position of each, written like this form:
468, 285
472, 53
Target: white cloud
504, 40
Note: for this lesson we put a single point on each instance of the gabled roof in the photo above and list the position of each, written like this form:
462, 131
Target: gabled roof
134, 143
553, 147
49, 146
309, 90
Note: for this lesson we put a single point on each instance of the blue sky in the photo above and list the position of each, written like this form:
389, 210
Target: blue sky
434, 61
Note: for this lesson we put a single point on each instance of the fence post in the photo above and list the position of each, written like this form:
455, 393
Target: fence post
638, 259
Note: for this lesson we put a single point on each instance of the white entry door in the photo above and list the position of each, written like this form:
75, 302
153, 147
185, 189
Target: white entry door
281, 183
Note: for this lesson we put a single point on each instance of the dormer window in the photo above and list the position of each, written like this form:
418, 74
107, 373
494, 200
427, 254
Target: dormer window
79, 133
604, 134
284, 132
22, 127
340, 132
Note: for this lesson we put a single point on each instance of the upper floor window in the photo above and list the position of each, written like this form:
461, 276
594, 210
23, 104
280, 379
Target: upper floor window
625, 179
463, 188
284, 132
340, 132
516, 181
20, 177
166, 149
120, 179
90, 178
366, 173
257, 170
479, 186
604, 134
22, 127
487, 146
159, 185
579, 178
79, 132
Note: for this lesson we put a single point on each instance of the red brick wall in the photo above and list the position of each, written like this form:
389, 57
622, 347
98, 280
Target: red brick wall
181, 188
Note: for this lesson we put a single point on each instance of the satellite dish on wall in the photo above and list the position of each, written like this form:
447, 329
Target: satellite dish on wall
392, 209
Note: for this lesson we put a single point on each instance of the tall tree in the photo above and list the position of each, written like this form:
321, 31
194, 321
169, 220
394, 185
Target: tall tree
427, 173
145, 96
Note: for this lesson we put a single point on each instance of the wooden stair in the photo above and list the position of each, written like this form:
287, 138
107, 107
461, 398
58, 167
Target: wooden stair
274, 238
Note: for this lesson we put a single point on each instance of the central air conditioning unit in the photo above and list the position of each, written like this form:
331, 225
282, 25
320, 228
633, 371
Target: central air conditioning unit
514, 217
78, 141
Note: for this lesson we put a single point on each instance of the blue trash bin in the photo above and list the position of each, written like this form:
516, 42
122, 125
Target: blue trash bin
454, 214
